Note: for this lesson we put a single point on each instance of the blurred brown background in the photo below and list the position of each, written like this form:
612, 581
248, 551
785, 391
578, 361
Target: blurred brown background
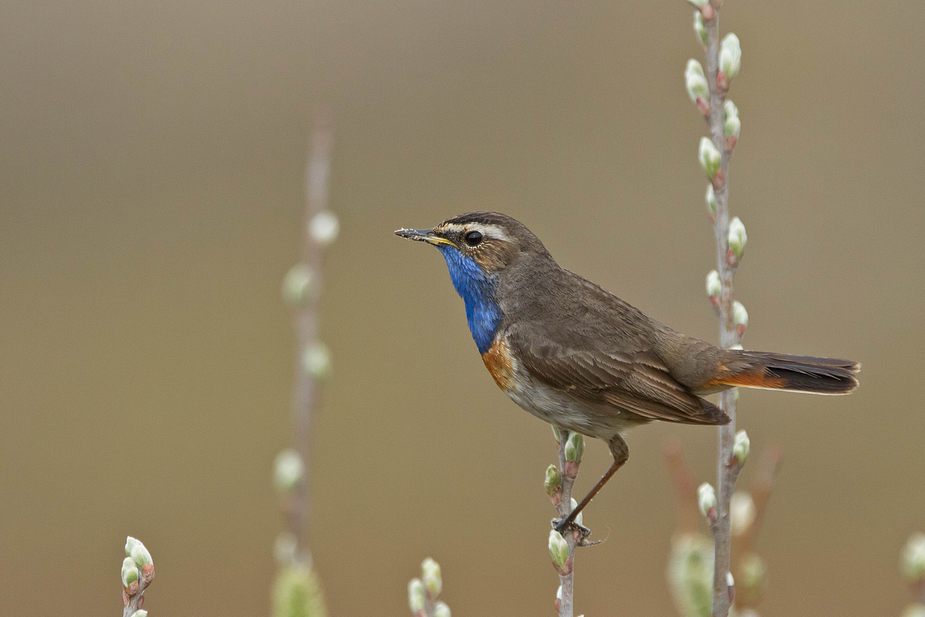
151, 173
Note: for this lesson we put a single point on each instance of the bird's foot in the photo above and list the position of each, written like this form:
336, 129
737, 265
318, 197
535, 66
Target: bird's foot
562, 525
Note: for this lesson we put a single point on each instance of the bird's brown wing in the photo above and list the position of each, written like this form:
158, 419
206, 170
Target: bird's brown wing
633, 381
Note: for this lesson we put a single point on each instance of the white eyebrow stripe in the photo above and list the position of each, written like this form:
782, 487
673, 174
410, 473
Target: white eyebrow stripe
492, 231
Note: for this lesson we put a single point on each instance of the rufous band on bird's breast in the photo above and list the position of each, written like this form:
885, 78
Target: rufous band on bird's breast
499, 363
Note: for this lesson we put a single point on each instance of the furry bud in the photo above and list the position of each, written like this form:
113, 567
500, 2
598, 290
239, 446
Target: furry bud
710, 158
706, 498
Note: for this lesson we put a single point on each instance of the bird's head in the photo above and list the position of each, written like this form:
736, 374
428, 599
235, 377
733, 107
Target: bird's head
488, 241
478, 247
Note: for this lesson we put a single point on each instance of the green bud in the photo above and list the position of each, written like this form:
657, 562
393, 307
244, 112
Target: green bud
690, 573
739, 317
140, 613
711, 200
441, 610
574, 504
732, 127
913, 558
574, 447
730, 110
298, 284
416, 595
710, 158
324, 227
288, 470
742, 512
730, 55
317, 361
553, 480
555, 432
297, 593
706, 498
737, 238
714, 284
140, 555
558, 548
130, 543
433, 582
699, 27
696, 82
731, 113
698, 3
129, 572
741, 446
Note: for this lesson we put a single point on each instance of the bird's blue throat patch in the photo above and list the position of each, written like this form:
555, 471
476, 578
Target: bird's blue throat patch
477, 289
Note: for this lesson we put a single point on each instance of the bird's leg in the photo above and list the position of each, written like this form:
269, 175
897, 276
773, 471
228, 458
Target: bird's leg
620, 453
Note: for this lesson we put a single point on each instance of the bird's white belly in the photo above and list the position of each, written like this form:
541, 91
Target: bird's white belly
548, 403
558, 408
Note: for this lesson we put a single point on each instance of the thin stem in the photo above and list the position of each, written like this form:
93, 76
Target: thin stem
133, 596
727, 470
572, 538
306, 390
135, 601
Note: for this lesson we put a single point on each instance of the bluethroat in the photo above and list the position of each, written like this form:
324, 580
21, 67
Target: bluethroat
584, 360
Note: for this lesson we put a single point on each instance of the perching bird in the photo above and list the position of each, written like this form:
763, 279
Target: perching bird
584, 360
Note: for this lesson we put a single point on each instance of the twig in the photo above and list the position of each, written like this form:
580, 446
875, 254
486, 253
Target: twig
303, 285
688, 583
727, 262
424, 592
137, 575
133, 603
559, 483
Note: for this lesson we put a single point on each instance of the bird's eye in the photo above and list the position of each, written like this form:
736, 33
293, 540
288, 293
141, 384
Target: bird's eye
473, 238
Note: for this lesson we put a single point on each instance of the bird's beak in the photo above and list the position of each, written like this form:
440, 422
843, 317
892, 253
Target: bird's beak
423, 235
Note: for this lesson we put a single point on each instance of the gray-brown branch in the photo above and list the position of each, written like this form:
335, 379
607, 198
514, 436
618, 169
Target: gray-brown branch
133, 597
726, 472
572, 538
306, 390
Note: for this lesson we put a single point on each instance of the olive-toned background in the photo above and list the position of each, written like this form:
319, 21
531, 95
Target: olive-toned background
151, 161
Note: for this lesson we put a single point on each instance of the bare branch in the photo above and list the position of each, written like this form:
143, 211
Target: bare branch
302, 290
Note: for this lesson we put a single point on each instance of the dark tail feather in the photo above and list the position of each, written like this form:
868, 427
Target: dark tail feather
794, 373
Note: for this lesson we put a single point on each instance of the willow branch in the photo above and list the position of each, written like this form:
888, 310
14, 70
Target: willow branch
134, 601
306, 389
137, 575
564, 508
727, 468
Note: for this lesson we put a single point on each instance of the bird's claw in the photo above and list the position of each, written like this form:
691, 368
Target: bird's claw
560, 526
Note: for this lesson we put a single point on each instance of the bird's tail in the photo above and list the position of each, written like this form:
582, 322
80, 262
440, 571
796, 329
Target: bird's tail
774, 371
